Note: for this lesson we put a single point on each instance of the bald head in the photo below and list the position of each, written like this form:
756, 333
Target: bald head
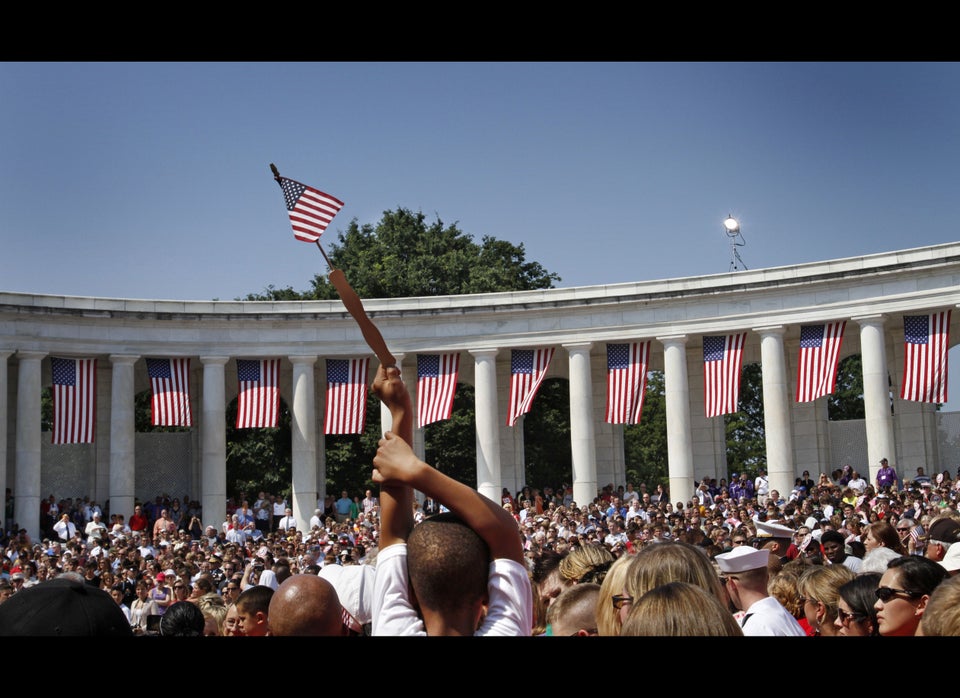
306, 605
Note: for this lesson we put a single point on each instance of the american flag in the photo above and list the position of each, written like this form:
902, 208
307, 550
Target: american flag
170, 382
819, 355
346, 411
626, 381
436, 385
258, 402
74, 400
527, 369
722, 360
310, 209
926, 341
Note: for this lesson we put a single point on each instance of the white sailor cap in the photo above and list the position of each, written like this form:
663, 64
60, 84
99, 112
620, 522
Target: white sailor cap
741, 559
773, 530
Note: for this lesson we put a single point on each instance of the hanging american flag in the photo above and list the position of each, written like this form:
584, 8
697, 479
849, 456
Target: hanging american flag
258, 402
626, 381
310, 209
436, 385
170, 382
527, 369
926, 341
74, 400
819, 356
346, 411
722, 360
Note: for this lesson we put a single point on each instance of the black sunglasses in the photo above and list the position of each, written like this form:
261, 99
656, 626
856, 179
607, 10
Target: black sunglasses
887, 593
849, 617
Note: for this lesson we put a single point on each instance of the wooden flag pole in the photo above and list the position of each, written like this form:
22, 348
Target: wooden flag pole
371, 334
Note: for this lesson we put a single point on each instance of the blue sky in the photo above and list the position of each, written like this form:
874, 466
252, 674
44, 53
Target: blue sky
152, 179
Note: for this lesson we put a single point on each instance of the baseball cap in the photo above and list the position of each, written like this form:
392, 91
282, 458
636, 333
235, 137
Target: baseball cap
62, 607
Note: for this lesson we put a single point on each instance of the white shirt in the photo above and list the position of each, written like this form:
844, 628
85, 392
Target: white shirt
287, 522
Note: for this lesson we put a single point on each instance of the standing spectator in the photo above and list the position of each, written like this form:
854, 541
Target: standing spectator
142, 607
163, 524
745, 576
887, 478
279, 508
857, 484
493, 594
287, 522
65, 528
818, 587
761, 485
370, 503
834, 549
253, 610
856, 614
575, 611
343, 506
95, 530
944, 531
138, 522
903, 592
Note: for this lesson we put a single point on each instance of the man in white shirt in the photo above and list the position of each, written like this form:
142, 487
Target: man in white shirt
761, 486
287, 521
96, 530
279, 507
65, 528
316, 521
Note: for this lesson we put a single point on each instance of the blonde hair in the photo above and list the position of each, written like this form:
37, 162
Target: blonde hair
608, 618
680, 609
662, 563
941, 616
822, 583
586, 563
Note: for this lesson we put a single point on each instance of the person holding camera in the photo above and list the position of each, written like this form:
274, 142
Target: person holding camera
251, 574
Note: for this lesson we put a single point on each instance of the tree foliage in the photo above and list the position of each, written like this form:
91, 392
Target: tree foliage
404, 256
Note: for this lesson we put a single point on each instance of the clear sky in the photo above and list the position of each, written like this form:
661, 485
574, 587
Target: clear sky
152, 179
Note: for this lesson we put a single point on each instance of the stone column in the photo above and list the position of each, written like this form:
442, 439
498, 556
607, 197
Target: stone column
776, 410
29, 462
582, 441
213, 465
123, 432
679, 435
876, 394
303, 449
4, 392
488, 423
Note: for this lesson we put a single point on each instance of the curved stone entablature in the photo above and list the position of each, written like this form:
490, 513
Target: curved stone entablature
887, 284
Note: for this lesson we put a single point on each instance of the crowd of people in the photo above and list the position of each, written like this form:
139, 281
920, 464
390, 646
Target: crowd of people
835, 556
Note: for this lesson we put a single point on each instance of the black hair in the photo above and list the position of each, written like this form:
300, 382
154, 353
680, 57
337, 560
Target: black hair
182, 619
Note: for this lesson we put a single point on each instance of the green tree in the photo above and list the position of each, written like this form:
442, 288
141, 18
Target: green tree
846, 401
645, 444
402, 256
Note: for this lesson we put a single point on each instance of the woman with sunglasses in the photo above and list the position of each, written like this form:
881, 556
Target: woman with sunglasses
903, 592
856, 614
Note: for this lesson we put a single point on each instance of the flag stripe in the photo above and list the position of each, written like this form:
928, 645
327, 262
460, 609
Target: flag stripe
819, 356
74, 400
722, 360
346, 409
527, 369
436, 386
258, 401
170, 383
626, 381
310, 210
926, 343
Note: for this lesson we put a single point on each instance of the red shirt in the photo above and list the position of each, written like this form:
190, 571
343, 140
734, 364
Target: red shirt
138, 522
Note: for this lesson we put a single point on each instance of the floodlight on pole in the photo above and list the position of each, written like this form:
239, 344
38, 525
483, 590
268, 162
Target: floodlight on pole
731, 226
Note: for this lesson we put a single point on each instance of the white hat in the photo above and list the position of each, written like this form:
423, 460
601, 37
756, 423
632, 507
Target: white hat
741, 559
951, 561
773, 530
